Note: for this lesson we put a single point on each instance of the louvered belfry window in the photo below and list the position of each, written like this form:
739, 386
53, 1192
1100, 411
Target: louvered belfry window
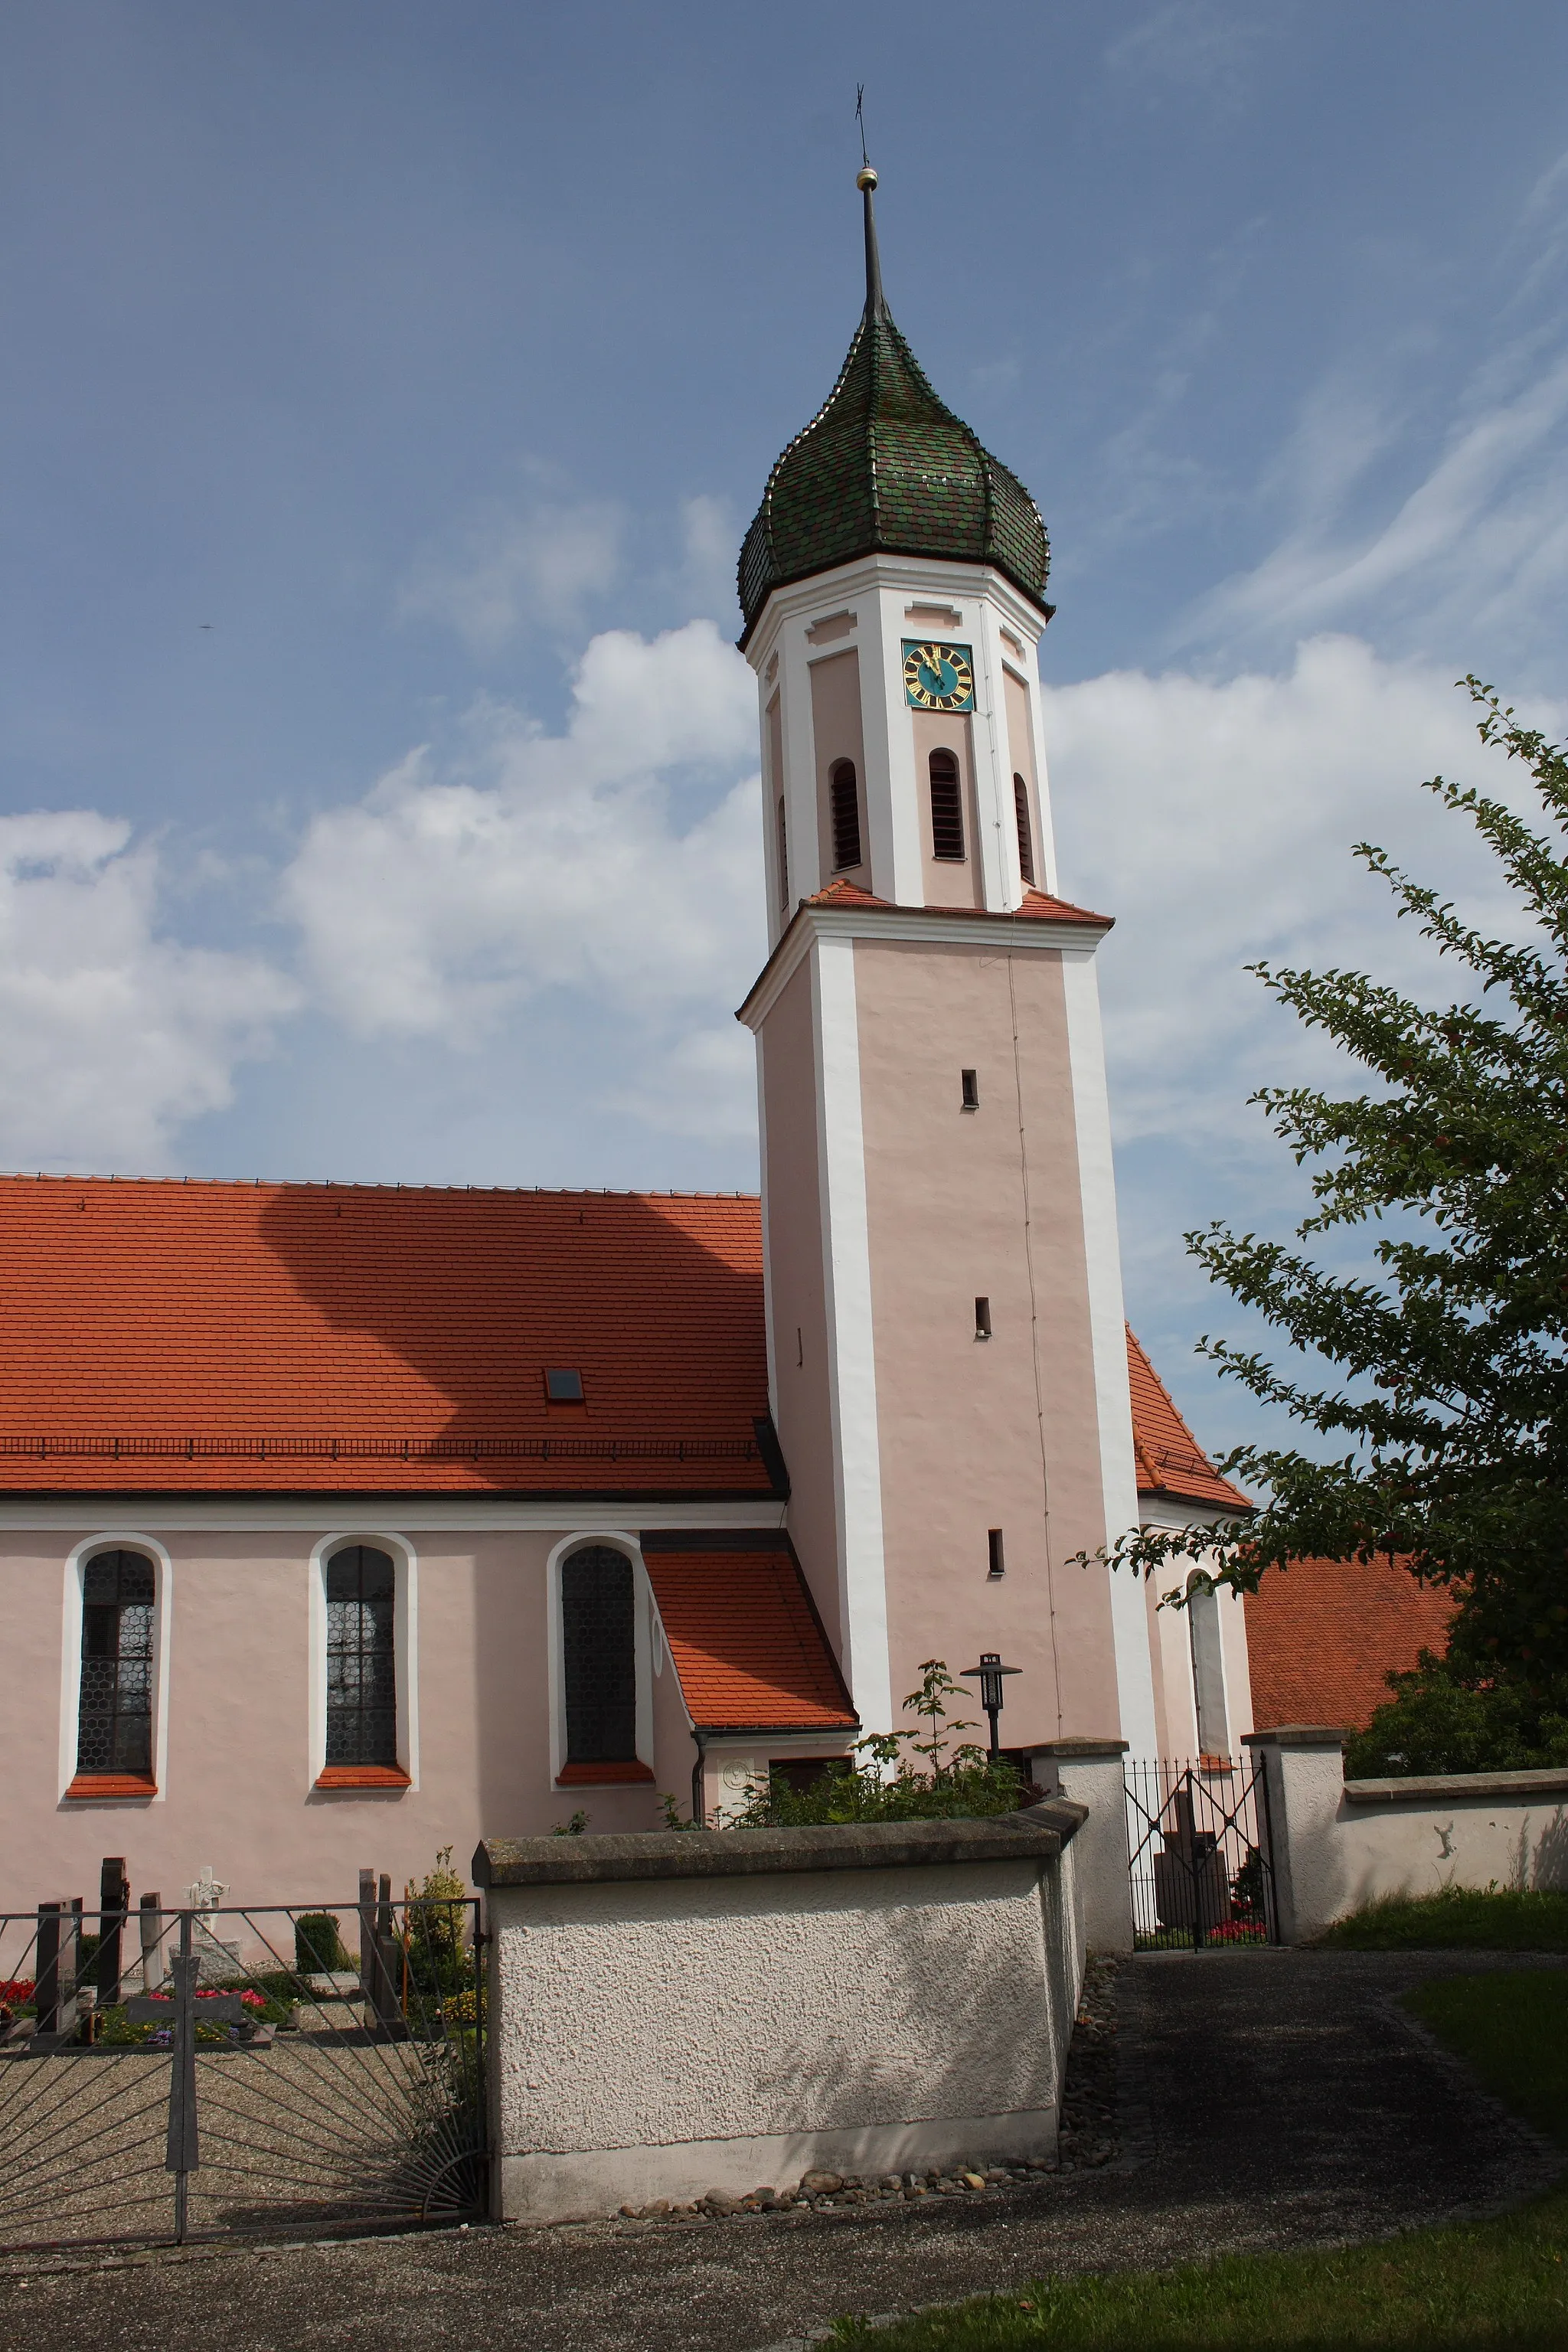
1026, 841
114, 1720
844, 801
362, 1657
946, 808
598, 1635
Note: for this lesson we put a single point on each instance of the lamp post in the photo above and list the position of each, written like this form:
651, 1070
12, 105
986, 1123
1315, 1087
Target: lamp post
991, 1671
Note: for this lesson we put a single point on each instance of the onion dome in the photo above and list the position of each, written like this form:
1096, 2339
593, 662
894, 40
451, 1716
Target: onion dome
885, 466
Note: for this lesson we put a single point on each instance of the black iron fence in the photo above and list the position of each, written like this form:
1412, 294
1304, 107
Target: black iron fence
183, 2074
1197, 1841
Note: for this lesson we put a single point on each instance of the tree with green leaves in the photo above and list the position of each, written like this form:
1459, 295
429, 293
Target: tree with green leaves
1446, 1416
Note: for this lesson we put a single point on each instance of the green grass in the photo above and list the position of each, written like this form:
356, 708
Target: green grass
1512, 2029
1502, 2286
1459, 1918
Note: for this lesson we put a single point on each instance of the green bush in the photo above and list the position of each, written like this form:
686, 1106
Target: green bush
901, 1776
1443, 1718
319, 1945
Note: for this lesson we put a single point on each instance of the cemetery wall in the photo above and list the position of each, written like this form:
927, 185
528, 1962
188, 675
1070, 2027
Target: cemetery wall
732, 2009
1339, 1845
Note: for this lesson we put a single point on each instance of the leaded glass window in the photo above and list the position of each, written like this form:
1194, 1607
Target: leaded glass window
362, 1662
114, 1718
598, 1630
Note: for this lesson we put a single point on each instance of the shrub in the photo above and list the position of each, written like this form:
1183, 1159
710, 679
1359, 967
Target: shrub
319, 1945
1442, 1718
900, 1776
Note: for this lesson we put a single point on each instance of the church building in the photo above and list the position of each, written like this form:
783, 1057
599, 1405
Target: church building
342, 1523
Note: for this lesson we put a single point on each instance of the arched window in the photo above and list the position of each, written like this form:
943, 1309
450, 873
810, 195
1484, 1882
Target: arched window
946, 808
844, 801
1209, 1669
598, 1633
1026, 841
362, 1657
783, 859
114, 1715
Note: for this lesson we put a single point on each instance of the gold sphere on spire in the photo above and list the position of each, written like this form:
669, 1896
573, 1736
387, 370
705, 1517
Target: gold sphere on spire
865, 177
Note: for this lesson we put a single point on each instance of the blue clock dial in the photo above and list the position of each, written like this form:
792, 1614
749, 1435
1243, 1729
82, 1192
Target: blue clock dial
938, 676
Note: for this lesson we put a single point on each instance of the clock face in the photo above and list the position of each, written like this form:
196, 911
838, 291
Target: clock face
938, 678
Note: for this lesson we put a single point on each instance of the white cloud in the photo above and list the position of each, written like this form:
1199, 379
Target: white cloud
1494, 498
511, 567
1215, 821
620, 861
111, 1035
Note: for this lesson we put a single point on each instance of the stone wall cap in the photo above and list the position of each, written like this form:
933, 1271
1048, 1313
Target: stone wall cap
1036, 1833
1081, 1749
1298, 1735
1444, 1788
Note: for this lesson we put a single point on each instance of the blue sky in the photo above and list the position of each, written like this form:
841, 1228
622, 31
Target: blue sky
385, 390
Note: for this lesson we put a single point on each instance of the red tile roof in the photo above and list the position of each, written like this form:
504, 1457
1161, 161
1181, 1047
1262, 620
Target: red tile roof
747, 1644
160, 1335
1322, 1635
1169, 1458
1037, 905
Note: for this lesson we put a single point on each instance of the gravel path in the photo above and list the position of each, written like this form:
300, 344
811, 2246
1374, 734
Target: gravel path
1262, 2099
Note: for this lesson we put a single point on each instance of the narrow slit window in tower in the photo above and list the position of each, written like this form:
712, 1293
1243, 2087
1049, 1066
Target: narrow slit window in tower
1026, 843
844, 800
969, 1082
994, 1541
946, 809
783, 859
983, 1318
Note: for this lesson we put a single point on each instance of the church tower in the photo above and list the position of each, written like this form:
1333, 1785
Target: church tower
947, 1360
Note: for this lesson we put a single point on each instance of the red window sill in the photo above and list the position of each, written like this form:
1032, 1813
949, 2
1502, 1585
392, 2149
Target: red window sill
364, 1776
112, 1784
599, 1776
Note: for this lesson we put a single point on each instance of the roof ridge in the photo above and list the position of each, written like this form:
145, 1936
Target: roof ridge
358, 1184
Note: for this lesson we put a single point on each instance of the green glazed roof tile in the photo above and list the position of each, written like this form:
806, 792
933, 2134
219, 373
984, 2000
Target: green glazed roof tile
886, 465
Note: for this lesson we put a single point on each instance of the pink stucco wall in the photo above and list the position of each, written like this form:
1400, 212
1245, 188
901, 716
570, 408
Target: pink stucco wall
802, 1398
1021, 753
237, 1792
959, 1436
837, 734
947, 883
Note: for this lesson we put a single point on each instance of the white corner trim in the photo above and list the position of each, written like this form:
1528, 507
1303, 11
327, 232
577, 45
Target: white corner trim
852, 1372
406, 1645
1113, 1402
644, 1616
116, 1539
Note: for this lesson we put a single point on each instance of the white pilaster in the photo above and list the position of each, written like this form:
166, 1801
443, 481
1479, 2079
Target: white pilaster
1097, 1185
847, 1262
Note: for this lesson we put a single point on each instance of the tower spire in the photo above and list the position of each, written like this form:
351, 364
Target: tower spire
866, 180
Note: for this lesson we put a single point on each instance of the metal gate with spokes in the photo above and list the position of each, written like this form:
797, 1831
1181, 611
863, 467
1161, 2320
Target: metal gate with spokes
1198, 1848
240, 2072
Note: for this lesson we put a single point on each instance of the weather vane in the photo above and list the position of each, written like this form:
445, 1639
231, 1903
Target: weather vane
860, 119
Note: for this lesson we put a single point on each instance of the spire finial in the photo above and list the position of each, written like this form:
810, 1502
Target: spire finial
866, 180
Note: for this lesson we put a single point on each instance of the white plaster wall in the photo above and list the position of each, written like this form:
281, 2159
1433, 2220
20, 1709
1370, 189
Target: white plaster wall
1335, 1851
663, 2037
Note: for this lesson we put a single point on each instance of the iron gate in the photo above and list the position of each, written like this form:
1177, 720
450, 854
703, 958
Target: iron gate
239, 2072
1198, 1848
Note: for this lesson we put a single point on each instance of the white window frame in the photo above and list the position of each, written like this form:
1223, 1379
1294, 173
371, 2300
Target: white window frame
116, 1539
643, 1615
406, 1652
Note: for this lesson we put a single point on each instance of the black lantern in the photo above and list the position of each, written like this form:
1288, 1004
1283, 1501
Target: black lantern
991, 1671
